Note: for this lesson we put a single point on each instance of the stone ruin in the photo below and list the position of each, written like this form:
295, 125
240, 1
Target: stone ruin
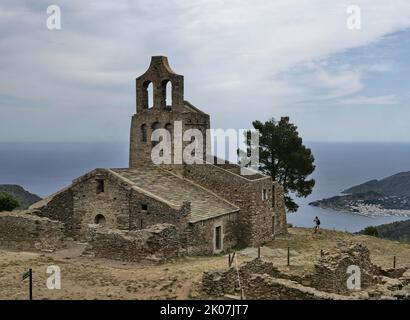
261, 280
22, 231
25, 231
157, 243
330, 271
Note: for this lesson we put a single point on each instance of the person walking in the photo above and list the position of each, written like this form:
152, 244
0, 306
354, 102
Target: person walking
317, 225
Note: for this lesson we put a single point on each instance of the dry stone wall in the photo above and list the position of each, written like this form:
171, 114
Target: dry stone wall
23, 231
330, 273
265, 287
156, 243
225, 281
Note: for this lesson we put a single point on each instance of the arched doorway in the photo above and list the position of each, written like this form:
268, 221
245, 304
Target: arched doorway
99, 219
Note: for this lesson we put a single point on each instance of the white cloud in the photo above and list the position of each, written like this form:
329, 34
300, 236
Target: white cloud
375, 100
231, 53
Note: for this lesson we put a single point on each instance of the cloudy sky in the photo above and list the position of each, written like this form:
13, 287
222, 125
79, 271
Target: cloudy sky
242, 60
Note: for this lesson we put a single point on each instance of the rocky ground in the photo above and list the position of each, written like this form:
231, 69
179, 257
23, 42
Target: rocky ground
89, 278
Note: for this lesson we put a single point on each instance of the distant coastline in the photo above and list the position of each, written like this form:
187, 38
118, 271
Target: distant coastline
386, 197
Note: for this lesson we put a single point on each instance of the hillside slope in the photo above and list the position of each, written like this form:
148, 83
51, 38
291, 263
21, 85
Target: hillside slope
397, 231
24, 197
396, 185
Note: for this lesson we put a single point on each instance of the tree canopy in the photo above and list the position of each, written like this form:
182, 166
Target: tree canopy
8, 202
284, 157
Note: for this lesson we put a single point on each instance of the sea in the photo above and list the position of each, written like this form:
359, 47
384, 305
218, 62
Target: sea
44, 168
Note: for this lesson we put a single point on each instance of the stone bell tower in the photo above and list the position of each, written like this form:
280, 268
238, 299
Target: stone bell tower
163, 113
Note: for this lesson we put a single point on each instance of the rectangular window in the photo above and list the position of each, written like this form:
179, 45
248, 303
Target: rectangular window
100, 186
144, 207
264, 194
218, 238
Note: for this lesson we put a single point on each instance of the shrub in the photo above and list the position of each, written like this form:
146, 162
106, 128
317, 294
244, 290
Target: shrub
8, 202
371, 231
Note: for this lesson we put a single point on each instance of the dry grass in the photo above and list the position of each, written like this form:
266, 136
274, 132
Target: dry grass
85, 278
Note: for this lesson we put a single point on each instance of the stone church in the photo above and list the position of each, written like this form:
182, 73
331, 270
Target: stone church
211, 205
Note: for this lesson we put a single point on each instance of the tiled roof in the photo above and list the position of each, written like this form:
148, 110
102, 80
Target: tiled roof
176, 190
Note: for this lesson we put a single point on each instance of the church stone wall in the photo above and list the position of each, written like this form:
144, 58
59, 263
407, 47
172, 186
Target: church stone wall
280, 209
199, 236
112, 203
155, 212
255, 215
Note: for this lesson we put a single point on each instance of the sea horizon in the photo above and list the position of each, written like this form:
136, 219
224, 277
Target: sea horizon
46, 167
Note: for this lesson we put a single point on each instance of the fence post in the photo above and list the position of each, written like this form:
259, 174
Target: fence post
259, 252
394, 262
288, 256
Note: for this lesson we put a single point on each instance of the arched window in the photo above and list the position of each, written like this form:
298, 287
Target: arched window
168, 94
99, 219
144, 133
150, 93
168, 127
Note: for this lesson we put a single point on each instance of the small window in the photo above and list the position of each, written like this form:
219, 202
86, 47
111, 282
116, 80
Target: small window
100, 186
264, 194
144, 207
218, 238
99, 219
144, 133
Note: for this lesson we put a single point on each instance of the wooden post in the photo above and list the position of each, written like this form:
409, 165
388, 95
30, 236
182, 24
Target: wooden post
288, 256
231, 259
31, 283
321, 252
259, 252
394, 262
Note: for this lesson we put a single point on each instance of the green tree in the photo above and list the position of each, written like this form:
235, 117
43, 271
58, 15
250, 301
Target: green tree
371, 231
283, 156
8, 202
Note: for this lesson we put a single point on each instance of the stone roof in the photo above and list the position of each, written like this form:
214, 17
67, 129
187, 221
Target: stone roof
177, 190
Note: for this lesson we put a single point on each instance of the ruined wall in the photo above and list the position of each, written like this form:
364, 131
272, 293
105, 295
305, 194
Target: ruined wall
265, 287
330, 273
23, 231
199, 236
156, 243
225, 281
60, 208
255, 214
